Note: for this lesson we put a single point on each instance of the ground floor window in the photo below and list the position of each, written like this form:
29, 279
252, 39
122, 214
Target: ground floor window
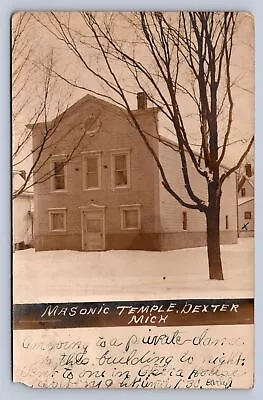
131, 217
57, 219
227, 222
185, 221
247, 215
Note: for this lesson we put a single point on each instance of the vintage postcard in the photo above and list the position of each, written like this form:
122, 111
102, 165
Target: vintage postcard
133, 199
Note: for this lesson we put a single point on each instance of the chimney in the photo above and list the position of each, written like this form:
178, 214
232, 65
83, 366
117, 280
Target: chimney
141, 101
248, 170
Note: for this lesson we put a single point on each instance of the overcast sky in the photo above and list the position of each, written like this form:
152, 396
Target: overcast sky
66, 63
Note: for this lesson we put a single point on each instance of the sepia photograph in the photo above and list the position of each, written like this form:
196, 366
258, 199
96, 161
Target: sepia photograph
133, 199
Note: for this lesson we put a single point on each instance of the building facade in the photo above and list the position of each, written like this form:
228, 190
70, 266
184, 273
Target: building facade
109, 194
246, 202
23, 220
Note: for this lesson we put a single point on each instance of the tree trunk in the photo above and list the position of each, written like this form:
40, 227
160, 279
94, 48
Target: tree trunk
213, 233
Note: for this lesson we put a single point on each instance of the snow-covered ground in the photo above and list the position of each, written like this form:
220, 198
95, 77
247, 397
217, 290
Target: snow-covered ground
60, 276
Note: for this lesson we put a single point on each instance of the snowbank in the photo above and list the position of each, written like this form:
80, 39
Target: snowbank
60, 276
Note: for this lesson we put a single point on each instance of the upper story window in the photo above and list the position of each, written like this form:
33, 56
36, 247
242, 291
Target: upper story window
243, 192
120, 169
248, 170
92, 171
59, 177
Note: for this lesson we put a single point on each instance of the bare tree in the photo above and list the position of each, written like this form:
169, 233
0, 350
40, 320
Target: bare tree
33, 100
21, 49
169, 57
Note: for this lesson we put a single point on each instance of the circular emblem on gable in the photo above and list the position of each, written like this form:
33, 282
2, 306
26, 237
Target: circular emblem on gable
91, 124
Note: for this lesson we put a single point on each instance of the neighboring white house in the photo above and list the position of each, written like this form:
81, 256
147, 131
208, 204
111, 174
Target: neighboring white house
246, 202
22, 217
246, 216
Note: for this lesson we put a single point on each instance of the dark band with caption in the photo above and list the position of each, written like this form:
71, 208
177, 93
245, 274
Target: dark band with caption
134, 313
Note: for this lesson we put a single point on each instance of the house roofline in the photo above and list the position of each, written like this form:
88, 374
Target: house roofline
174, 143
74, 107
25, 194
244, 179
88, 97
246, 200
136, 112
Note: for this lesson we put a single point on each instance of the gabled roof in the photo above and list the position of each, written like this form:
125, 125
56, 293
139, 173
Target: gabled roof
25, 194
95, 100
104, 103
241, 183
78, 104
243, 180
243, 200
174, 143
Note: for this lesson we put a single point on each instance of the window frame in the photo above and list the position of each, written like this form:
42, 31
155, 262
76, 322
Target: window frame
52, 211
121, 152
131, 207
243, 192
54, 159
245, 215
184, 221
227, 222
85, 156
248, 170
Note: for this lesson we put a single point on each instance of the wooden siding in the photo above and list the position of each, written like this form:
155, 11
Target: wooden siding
116, 133
171, 212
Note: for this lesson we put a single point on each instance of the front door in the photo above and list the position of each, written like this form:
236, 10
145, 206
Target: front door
93, 231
